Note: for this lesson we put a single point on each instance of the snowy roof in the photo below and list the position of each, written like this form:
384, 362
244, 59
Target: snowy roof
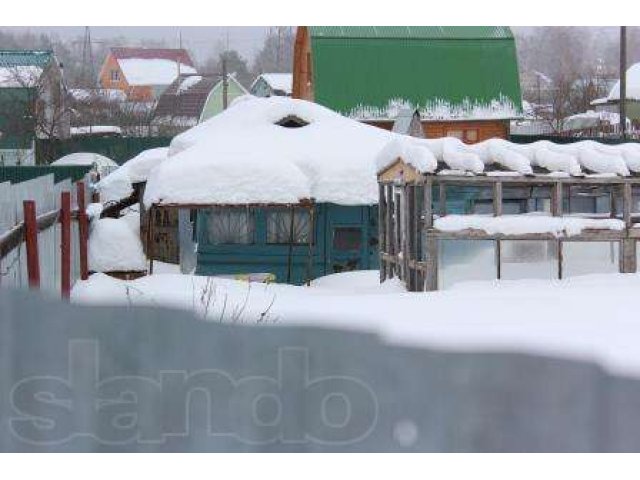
500, 157
633, 85
23, 68
95, 130
20, 76
152, 71
103, 94
282, 82
101, 162
119, 183
243, 156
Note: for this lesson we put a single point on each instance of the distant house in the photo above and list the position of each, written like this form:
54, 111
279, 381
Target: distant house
144, 73
272, 84
32, 103
463, 80
192, 99
611, 103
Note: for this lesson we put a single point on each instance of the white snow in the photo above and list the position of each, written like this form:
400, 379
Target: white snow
188, 82
525, 224
114, 245
633, 85
557, 162
411, 151
95, 129
583, 318
100, 162
119, 183
20, 76
152, 71
279, 81
457, 157
243, 156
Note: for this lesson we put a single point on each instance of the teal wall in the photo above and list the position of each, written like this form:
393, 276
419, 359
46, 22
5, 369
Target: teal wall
261, 257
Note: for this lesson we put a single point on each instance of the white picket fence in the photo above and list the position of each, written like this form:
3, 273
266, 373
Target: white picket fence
46, 195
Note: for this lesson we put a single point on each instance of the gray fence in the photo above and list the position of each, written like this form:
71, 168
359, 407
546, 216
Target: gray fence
106, 379
46, 195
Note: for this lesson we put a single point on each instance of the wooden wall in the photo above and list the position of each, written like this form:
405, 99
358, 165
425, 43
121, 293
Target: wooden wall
472, 131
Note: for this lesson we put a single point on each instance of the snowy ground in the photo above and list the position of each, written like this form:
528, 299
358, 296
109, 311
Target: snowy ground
589, 317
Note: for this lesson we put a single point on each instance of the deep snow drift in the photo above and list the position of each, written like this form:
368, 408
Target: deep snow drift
582, 318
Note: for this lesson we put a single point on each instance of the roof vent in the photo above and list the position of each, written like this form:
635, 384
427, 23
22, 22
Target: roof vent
292, 121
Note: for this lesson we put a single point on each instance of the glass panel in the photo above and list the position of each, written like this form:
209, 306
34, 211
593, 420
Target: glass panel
279, 226
584, 258
347, 238
523, 259
466, 261
229, 226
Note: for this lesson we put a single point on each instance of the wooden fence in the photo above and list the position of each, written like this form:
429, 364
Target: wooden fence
43, 234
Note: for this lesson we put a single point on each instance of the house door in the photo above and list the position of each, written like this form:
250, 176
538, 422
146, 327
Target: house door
346, 253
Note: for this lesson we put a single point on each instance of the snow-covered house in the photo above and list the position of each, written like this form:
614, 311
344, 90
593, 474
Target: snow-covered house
32, 103
276, 186
193, 99
611, 103
272, 84
463, 80
144, 73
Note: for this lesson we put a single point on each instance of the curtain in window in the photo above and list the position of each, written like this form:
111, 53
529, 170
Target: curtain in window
231, 226
279, 226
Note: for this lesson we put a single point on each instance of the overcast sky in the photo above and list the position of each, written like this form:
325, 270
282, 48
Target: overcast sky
247, 40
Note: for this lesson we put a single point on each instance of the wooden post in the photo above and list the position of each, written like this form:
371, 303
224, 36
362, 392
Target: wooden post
397, 237
628, 256
389, 228
31, 240
408, 236
150, 242
627, 204
83, 231
431, 282
557, 210
65, 244
417, 236
292, 213
497, 212
427, 209
382, 215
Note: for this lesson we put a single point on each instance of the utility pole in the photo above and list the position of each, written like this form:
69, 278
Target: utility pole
88, 66
180, 47
225, 82
623, 82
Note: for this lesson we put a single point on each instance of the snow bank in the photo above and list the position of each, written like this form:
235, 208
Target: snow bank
411, 152
566, 319
600, 162
114, 245
457, 157
358, 282
525, 224
557, 162
244, 156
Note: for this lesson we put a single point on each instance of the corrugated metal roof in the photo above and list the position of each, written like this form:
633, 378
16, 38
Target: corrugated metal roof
422, 32
19, 58
356, 67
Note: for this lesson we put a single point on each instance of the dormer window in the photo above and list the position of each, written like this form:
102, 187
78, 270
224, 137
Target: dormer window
292, 121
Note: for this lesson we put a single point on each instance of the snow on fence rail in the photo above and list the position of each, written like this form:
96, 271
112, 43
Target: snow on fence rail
43, 234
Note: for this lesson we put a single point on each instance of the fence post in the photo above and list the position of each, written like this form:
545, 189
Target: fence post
65, 244
83, 231
31, 240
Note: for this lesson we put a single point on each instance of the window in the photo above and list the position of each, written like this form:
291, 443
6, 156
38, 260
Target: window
470, 136
115, 76
279, 227
459, 134
231, 226
347, 239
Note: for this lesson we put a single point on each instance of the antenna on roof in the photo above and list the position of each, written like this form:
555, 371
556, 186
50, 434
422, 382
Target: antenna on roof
623, 82
88, 73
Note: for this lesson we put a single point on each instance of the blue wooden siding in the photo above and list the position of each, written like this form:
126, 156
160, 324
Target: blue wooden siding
261, 257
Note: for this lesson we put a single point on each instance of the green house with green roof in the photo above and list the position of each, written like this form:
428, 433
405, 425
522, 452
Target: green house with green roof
463, 80
32, 103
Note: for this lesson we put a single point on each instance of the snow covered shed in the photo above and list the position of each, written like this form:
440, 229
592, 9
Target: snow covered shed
192, 99
273, 186
463, 80
507, 194
272, 84
611, 103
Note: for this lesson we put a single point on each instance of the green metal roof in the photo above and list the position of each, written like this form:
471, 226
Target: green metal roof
356, 67
16, 58
423, 32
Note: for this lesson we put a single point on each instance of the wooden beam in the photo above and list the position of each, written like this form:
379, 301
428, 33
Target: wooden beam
382, 215
31, 240
65, 244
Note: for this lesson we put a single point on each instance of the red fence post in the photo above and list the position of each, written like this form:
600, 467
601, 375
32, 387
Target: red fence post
83, 231
65, 244
31, 240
